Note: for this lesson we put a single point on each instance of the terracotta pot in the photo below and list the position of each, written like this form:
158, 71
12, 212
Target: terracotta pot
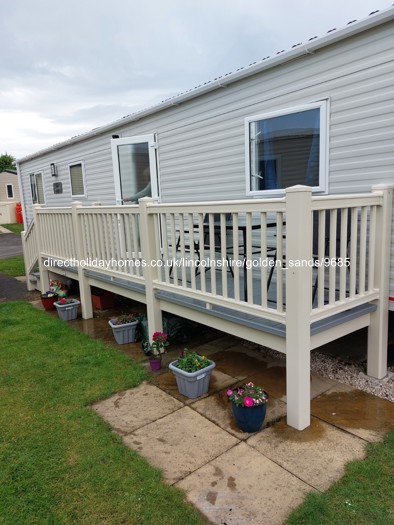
103, 300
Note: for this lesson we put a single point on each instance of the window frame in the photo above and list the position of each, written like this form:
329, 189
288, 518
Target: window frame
35, 174
82, 164
10, 185
323, 106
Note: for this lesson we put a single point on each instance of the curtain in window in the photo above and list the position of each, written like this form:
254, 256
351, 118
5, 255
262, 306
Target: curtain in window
40, 189
312, 171
268, 164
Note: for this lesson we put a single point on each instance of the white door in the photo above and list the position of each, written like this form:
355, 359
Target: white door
135, 168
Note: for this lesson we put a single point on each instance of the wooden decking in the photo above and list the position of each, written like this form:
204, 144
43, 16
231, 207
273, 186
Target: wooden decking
283, 315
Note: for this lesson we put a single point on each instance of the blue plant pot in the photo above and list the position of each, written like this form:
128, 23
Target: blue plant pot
249, 419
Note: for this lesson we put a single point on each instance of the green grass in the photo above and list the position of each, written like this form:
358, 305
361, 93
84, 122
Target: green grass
13, 266
14, 228
59, 462
364, 496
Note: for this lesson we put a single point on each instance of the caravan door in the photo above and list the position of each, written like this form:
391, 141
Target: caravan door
135, 168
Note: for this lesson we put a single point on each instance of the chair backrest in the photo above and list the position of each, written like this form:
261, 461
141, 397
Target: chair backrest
217, 229
327, 232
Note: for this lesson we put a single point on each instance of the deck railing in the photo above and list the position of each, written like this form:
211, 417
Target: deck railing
269, 252
237, 253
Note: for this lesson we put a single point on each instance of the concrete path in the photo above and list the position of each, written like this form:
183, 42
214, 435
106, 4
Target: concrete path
236, 478
10, 244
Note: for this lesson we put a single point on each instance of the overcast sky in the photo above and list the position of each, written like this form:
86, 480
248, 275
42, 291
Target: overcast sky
68, 67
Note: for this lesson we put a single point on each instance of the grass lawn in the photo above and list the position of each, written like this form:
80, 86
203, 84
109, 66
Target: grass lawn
59, 462
13, 266
14, 228
364, 496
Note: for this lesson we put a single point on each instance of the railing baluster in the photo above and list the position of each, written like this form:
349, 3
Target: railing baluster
332, 256
371, 249
353, 253
363, 249
279, 252
235, 218
343, 270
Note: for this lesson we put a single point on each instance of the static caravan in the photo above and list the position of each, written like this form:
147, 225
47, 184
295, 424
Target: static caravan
9, 196
294, 149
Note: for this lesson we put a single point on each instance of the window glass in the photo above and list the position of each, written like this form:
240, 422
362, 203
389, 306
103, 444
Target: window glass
76, 176
285, 150
37, 188
10, 191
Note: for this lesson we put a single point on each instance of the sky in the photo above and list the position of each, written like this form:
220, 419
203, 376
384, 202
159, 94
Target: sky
69, 67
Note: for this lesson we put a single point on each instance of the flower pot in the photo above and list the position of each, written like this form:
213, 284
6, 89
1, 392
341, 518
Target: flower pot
67, 311
192, 384
49, 302
249, 419
124, 333
103, 300
155, 364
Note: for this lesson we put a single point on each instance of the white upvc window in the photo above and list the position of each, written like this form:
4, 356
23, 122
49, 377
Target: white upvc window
77, 179
37, 188
287, 147
10, 191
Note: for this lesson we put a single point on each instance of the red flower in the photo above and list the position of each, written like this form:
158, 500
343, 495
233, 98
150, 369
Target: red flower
248, 401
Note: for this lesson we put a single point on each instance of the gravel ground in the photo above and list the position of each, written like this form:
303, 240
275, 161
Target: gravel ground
350, 374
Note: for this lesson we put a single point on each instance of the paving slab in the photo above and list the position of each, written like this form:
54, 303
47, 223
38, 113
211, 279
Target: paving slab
180, 443
355, 411
217, 409
123, 410
243, 487
317, 455
238, 364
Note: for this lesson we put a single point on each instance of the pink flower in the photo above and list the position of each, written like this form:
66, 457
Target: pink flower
248, 401
229, 392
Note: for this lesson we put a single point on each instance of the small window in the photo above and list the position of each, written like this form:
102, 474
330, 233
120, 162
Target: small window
10, 191
287, 148
77, 180
37, 188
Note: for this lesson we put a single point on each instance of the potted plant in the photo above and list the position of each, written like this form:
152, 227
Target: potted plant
59, 288
249, 404
48, 299
192, 373
67, 309
124, 328
155, 349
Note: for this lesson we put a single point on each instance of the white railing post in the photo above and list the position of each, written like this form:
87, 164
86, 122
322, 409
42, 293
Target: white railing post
84, 288
150, 252
30, 286
298, 304
44, 272
378, 328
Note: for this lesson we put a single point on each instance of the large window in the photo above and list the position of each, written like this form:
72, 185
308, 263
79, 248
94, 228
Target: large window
287, 148
77, 180
37, 188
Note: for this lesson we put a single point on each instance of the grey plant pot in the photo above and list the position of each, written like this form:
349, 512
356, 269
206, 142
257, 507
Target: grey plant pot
192, 384
124, 333
67, 312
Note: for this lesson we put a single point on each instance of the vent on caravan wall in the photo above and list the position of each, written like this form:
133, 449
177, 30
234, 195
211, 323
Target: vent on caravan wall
57, 188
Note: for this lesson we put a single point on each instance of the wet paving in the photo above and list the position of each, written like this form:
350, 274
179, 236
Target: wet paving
200, 449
